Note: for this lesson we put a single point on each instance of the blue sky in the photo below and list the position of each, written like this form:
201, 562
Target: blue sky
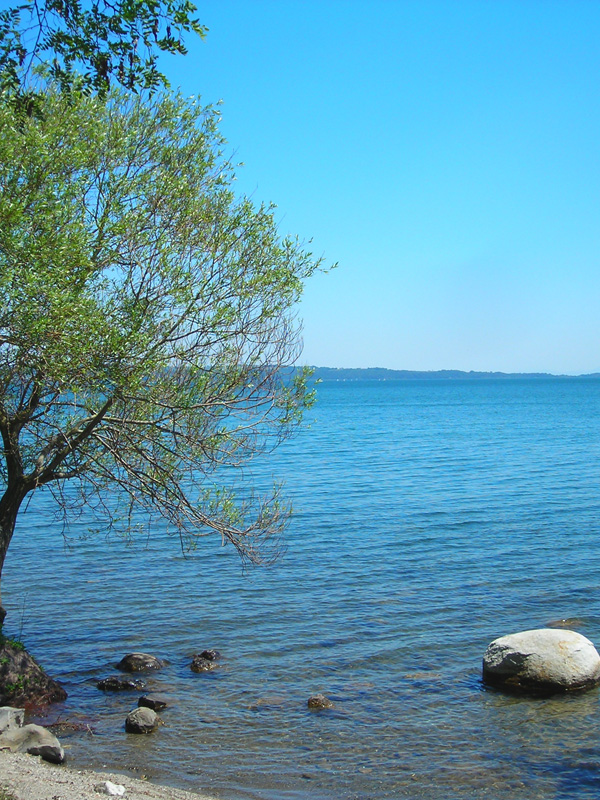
446, 154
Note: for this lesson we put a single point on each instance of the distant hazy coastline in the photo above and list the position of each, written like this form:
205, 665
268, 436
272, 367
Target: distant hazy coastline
383, 374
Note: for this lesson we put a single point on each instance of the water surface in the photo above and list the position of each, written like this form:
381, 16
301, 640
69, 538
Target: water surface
431, 517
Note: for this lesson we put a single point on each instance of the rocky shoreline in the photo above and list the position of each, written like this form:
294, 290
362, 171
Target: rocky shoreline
25, 777
538, 662
32, 758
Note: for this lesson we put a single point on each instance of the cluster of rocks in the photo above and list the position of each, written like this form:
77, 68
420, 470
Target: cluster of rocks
144, 718
541, 662
205, 661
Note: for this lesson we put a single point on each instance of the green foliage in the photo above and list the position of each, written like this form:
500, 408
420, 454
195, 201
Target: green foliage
91, 44
14, 643
147, 316
11, 689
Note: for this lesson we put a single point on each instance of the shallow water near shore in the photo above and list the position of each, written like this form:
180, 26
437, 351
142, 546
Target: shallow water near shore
431, 517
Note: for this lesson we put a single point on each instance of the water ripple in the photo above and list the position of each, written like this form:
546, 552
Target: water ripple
431, 518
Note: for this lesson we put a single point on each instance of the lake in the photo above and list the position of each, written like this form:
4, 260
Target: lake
430, 518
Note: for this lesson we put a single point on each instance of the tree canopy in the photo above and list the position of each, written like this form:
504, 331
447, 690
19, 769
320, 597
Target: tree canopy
147, 314
92, 43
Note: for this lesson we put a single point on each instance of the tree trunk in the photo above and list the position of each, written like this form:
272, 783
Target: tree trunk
9, 509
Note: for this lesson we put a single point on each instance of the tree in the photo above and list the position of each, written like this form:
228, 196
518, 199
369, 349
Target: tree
90, 44
147, 316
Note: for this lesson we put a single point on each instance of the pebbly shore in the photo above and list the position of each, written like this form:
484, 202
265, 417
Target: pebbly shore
25, 777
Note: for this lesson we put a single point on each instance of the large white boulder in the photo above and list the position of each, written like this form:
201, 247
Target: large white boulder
542, 661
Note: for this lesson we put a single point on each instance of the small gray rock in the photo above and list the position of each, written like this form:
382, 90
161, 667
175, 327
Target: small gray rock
110, 788
544, 661
142, 720
114, 684
319, 701
35, 740
139, 662
154, 701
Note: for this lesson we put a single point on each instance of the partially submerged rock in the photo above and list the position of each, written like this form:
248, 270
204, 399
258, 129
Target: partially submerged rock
114, 684
139, 662
205, 661
319, 701
544, 661
33, 739
210, 655
22, 680
142, 720
201, 664
68, 727
154, 701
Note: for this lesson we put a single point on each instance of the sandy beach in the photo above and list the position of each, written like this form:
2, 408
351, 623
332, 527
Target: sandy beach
26, 777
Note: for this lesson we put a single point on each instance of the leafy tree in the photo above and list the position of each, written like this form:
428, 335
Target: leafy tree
92, 43
147, 316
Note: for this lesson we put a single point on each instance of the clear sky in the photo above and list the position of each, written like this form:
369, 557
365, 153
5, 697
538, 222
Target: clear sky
446, 154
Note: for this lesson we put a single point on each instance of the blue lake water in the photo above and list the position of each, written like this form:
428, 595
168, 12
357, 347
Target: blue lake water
430, 518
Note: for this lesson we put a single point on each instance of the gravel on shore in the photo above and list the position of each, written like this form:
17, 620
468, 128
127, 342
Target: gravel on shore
25, 777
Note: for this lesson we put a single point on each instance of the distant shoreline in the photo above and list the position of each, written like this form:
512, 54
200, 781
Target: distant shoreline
383, 374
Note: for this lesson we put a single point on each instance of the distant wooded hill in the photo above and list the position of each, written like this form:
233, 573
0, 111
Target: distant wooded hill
382, 374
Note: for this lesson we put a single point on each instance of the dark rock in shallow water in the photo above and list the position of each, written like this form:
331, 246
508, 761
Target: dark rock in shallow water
319, 701
209, 655
114, 684
139, 662
23, 681
142, 720
200, 664
544, 662
154, 701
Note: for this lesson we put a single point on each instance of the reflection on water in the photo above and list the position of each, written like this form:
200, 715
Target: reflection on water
431, 518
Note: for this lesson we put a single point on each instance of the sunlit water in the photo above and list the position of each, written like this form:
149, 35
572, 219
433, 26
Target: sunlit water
431, 517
